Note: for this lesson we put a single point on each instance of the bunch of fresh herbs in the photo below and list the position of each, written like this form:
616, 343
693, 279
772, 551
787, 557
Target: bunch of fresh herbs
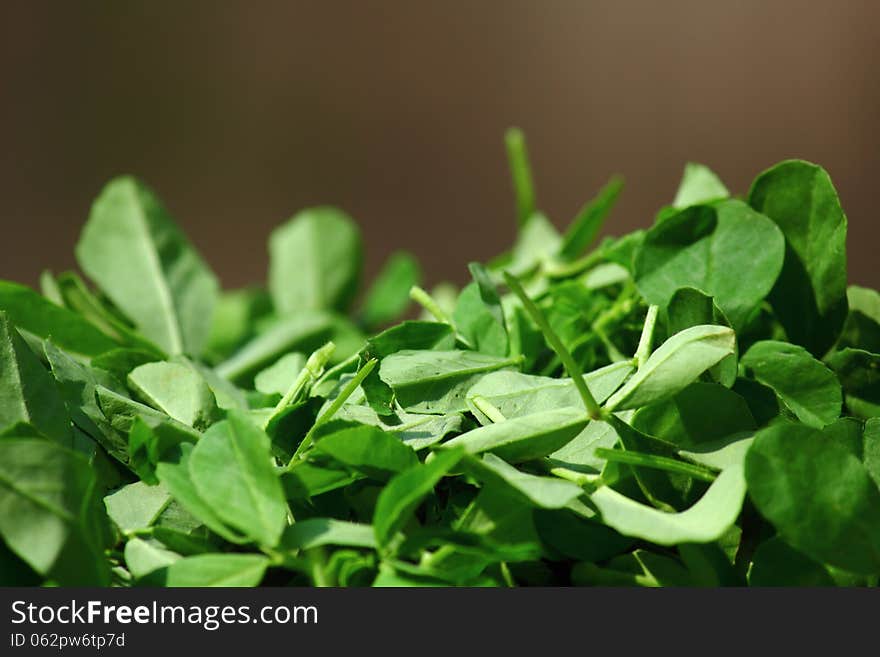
697, 403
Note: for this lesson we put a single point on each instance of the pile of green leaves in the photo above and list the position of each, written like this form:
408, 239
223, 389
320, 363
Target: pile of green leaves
697, 403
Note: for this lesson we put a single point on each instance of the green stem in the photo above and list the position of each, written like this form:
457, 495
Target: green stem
645, 340
336, 369
574, 371
313, 369
488, 409
567, 270
521, 172
317, 560
656, 462
579, 478
341, 398
506, 576
620, 308
427, 302
614, 354
588, 573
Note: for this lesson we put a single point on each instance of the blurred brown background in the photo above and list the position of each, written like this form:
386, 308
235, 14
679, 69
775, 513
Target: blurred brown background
240, 113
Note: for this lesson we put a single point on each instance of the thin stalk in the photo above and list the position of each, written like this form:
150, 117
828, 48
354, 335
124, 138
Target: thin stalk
614, 354
341, 398
647, 337
574, 371
579, 478
488, 409
313, 369
521, 173
569, 269
317, 560
427, 302
656, 462
620, 308
347, 391
506, 576
598, 576
336, 369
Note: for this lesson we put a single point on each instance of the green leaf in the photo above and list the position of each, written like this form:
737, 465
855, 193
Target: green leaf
578, 538
226, 394
538, 241
304, 331
315, 261
176, 477
411, 334
670, 486
35, 314
705, 521
28, 393
143, 558
810, 296
235, 320
871, 449
585, 227
144, 263
862, 327
690, 307
119, 362
95, 308
122, 413
277, 378
436, 381
136, 506
579, 454
721, 453
232, 470
526, 437
50, 289
406, 335
516, 394
177, 390
804, 384
859, 374
305, 480
701, 246
478, 314
389, 578
150, 440
388, 297
412, 429
818, 495
211, 570
78, 385
640, 568
541, 492
367, 450
318, 532
501, 520
674, 365
403, 494
50, 512
684, 422
699, 184
776, 563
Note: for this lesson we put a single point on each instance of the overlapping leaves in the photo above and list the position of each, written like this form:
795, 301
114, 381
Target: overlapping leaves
693, 404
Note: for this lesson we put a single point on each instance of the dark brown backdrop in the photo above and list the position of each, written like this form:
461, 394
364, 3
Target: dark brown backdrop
240, 113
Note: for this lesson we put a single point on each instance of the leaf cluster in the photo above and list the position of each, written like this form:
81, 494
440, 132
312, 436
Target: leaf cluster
693, 404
